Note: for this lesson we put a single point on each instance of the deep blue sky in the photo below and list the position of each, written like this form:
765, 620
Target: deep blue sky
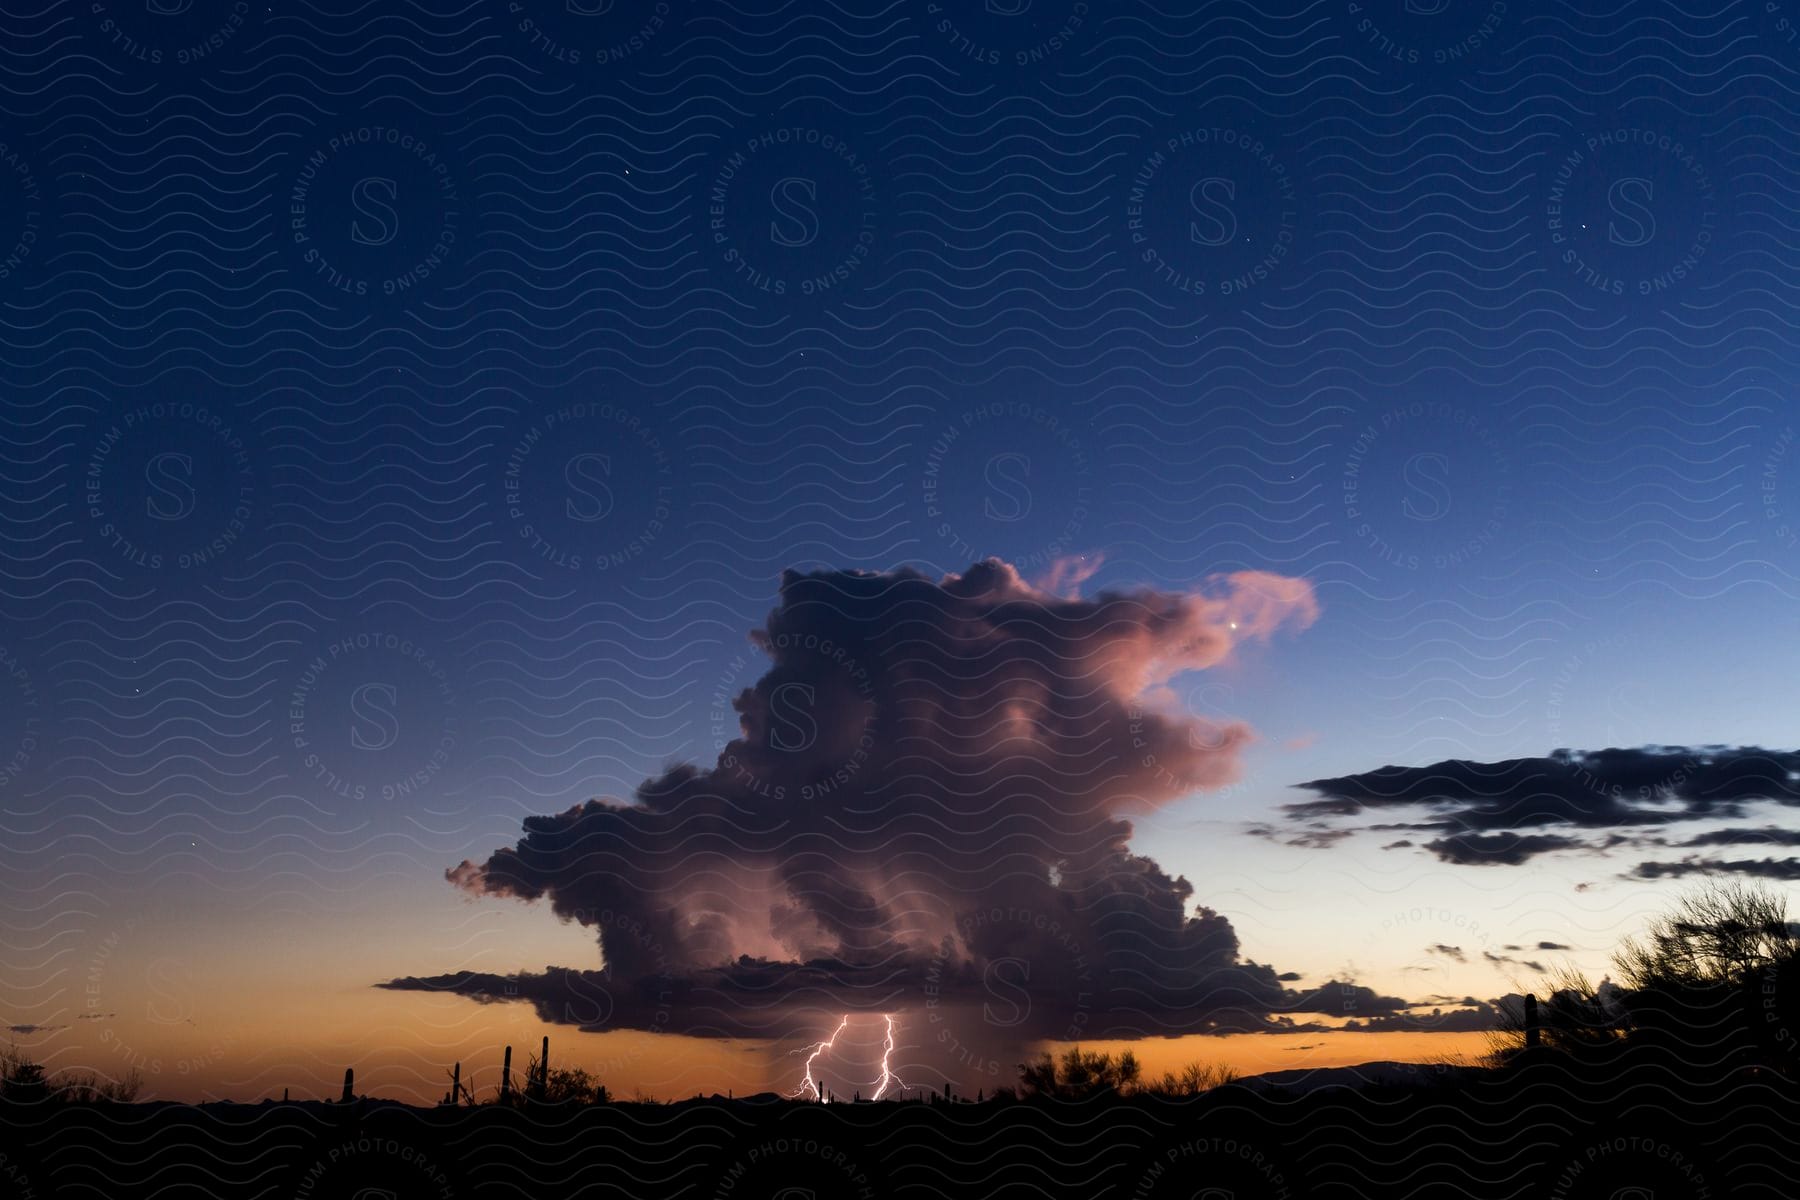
469, 401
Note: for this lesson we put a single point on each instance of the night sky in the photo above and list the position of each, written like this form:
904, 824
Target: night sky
411, 411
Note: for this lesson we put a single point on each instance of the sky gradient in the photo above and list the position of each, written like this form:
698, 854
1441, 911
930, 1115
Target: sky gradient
411, 414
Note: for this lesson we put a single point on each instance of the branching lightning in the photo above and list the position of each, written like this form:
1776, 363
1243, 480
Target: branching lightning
887, 1074
808, 1082
810, 1085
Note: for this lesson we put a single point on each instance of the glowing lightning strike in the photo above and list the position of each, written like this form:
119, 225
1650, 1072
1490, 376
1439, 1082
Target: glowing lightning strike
887, 1075
818, 1048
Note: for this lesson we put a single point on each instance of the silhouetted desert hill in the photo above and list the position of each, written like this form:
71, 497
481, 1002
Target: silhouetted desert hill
1362, 1076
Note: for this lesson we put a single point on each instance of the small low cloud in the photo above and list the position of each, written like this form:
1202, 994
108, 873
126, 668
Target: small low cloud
1783, 869
1467, 1015
1504, 960
1308, 839
1768, 835
1498, 849
1509, 812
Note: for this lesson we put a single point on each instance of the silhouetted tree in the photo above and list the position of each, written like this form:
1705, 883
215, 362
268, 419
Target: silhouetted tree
1714, 980
23, 1081
1191, 1080
1712, 985
1079, 1074
1722, 933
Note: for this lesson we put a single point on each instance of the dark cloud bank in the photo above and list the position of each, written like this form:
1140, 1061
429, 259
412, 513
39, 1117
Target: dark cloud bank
927, 812
1509, 812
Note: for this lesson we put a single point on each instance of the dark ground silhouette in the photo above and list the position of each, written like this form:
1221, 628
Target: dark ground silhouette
1539, 1131
1683, 1083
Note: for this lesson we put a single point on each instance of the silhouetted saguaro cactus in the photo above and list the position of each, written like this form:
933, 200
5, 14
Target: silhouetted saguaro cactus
506, 1076
349, 1085
456, 1088
541, 1085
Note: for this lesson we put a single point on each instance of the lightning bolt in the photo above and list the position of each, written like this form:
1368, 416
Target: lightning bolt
887, 1075
807, 1082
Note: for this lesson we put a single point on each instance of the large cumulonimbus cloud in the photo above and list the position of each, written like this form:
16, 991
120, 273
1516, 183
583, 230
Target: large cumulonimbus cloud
928, 806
